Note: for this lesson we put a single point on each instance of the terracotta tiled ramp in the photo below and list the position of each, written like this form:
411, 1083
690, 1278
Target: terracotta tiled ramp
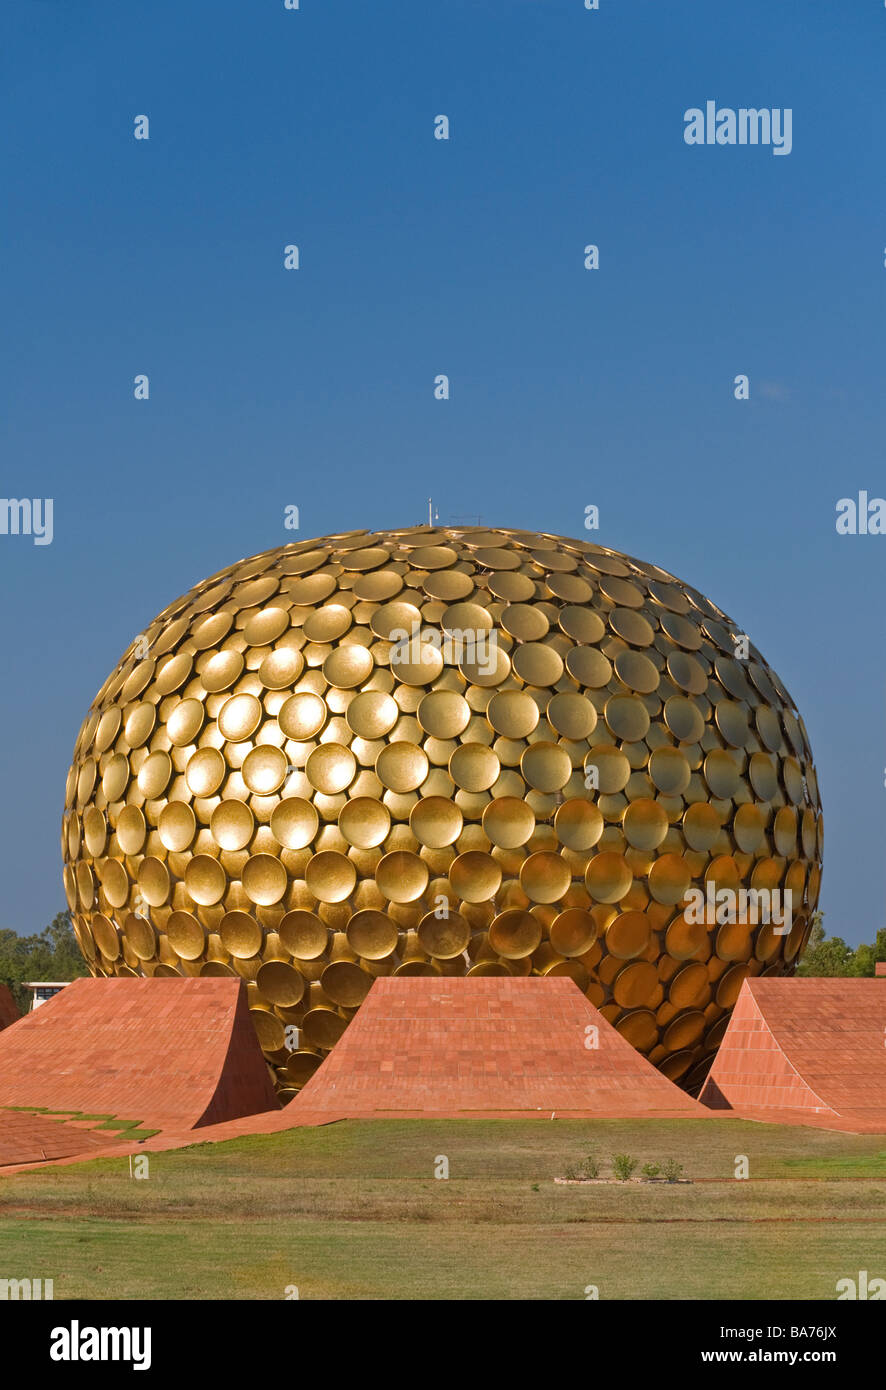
171, 1054
807, 1050
483, 1047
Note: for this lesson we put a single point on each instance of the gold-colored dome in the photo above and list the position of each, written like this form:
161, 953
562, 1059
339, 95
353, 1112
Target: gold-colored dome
450, 751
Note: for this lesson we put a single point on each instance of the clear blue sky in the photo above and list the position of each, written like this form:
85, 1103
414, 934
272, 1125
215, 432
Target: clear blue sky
315, 387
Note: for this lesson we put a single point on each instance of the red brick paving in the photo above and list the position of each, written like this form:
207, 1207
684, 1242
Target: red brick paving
173, 1054
805, 1050
26, 1138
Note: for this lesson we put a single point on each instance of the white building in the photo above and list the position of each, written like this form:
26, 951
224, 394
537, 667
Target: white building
41, 990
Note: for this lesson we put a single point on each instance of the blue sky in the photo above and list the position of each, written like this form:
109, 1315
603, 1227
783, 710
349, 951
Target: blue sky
418, 257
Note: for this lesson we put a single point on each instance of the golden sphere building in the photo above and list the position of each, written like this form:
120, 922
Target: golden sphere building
443, 751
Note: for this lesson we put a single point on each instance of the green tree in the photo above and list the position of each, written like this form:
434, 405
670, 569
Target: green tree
831, 956
52, 954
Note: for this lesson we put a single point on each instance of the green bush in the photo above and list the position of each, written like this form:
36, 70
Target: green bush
651, 1170
623, 1166
672, 1169
590, 1167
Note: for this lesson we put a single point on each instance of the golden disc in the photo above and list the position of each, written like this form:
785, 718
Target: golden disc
330, 876
572, 932
265, 769
364, 822
294, 823
205, 880
264, 879
372, 714
690, 987
626, 717
105, 935
684, 719
721, 774
231, 825
401, 766
645, 824
185, 722
474, 767
348, 666
763, 776
241, 936
154, 775
669, 879
401, 876
514, 934
608, 877
732, 721
670, 771
571, 715
546, 766
685, 1031
581, 624
303, 715
525, 622
628, 935
637, 672
239, 717
301, 1066
269, 1030
545, 877
538, 664
749, 828
684, 938
131, 829
475, 876
687, 672
185, 935
635, 985
512, 713
444, 938
280, 983
578, 824
417, 664
345, 983
220, 671
372, 934
327, 624
631, 626
640, 1029
436, 822
153, 881
508, 822
303, 935
205, 772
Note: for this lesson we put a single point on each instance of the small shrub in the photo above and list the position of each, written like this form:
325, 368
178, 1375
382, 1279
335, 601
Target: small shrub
650, 1170
672, 1169
570, 1173
590, 1167
535, 1187
623, 1166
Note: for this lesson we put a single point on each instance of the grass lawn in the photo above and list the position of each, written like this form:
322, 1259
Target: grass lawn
353, 1210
